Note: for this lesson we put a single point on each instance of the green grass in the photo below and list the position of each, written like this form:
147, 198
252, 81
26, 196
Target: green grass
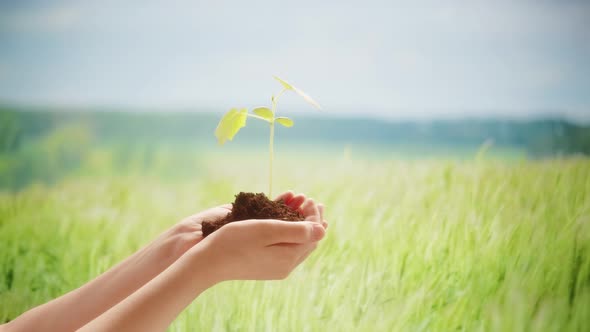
424, 245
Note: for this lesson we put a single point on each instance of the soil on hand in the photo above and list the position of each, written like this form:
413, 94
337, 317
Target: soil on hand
253, 206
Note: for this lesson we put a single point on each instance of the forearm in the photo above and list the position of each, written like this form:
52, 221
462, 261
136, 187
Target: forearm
245, 250
76, 308
160, 301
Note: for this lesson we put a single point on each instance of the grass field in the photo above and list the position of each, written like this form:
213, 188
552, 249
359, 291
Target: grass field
422, 245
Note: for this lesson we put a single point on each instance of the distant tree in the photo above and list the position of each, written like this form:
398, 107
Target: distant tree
10, 132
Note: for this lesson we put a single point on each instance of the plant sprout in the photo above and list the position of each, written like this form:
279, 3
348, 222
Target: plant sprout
235, 119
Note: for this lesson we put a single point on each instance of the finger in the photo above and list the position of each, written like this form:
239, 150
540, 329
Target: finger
325, 224
310, 211
227, 206
278, 231
296, 202
286, 197
193, 222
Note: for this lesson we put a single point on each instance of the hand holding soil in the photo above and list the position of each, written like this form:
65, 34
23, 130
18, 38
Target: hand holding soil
286, 207
149, 289
263, 249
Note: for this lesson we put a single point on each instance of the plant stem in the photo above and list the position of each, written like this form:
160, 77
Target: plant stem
272, 137
272, 134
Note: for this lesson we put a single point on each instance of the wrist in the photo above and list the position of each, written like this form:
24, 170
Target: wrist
208, 262
179, 239
204, 265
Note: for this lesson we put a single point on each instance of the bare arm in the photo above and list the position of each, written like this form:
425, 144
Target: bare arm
244, 250
80, 306
76, 308
252, 249
153, 306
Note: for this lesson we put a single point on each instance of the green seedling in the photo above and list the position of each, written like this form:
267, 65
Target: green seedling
235, 119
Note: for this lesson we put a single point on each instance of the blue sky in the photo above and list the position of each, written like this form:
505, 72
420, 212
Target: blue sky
419, 59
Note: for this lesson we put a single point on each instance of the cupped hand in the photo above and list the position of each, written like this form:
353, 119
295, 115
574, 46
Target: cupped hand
187, 233
264, 249
311, 211
193, 223
307, 207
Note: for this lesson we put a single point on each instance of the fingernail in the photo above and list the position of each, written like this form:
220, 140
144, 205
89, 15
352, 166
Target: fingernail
318, 232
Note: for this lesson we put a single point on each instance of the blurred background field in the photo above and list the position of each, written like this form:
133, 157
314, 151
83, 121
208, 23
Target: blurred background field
45, 145
451, 153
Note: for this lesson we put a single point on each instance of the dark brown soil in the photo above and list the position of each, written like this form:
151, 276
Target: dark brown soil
253, 206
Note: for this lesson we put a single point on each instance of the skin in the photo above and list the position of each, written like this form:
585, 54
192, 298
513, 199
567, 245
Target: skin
148, 290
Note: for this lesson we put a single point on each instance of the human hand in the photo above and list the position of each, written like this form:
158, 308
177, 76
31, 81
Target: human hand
264, 249
187, 232
154, 285
295, 202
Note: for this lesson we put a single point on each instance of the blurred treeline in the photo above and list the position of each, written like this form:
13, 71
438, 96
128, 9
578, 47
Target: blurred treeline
48, 144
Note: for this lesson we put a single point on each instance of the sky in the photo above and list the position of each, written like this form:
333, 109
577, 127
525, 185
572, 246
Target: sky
389, 59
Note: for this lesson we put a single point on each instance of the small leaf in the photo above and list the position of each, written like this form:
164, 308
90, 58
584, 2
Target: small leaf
230, 124
284, 83
307, 98
285, 121
304, 95
264, 112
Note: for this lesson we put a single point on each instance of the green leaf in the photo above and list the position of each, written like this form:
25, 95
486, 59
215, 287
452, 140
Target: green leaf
307, 98
303, 95
264, 112
284, 83
230, 124
285, 121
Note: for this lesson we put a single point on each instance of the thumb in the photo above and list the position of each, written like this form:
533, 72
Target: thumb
278, 231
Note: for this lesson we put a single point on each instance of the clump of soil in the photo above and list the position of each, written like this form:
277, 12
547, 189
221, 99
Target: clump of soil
253, 206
